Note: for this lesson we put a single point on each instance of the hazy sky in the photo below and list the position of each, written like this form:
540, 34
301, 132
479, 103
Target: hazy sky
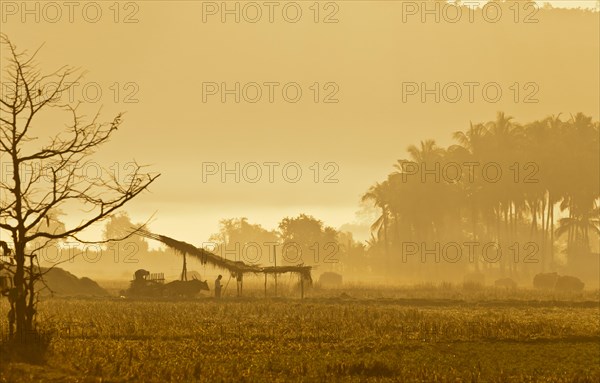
571, 3
162, 67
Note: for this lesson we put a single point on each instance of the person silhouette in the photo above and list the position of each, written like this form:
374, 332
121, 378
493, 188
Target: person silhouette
218, 286
239, 277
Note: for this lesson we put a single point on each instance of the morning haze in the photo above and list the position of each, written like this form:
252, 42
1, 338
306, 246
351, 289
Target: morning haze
391, 178
170, 52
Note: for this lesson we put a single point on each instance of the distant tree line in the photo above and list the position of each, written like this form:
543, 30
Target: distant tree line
523, 187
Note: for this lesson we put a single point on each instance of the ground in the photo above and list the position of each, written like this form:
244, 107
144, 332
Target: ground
349, 336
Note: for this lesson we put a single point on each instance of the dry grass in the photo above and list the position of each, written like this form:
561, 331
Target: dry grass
319, 339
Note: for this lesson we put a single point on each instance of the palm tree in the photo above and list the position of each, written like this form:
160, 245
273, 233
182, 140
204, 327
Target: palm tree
379, 194
469, 149
567, 159
578, 228
427, 152
472, 140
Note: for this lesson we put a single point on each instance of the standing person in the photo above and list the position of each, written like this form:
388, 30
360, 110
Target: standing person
239, 279
218, 286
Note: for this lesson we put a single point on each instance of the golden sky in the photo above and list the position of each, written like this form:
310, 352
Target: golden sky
159, 61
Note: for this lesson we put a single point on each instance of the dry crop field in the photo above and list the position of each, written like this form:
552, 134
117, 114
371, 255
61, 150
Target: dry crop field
332, 337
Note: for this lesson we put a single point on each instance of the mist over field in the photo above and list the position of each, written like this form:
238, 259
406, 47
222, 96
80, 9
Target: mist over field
395, 191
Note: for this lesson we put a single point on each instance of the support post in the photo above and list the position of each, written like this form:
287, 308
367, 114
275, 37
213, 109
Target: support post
184, 271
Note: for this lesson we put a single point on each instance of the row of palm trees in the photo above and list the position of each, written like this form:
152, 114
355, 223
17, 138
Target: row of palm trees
502, 182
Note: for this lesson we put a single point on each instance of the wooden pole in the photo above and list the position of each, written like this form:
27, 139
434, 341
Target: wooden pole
301, 287
265, 285
184, 271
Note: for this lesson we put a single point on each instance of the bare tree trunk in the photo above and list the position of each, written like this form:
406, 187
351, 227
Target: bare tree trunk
30, 311
542, 242
26, 209
385, 241
474, 222
533, 230
20, 296
570, 236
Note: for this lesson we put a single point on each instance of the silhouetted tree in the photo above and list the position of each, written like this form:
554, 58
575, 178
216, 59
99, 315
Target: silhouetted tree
46, 177
547, 164
306, 240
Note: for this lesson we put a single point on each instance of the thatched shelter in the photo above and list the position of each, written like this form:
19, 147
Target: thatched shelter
235, 267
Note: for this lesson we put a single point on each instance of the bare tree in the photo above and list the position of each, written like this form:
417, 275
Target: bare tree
47, 176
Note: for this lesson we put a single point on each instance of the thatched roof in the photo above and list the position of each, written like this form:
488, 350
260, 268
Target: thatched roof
233, 266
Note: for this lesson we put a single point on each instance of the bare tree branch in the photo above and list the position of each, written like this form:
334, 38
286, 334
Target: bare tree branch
48, 178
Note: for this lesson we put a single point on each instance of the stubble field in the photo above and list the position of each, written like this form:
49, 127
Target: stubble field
327, 338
